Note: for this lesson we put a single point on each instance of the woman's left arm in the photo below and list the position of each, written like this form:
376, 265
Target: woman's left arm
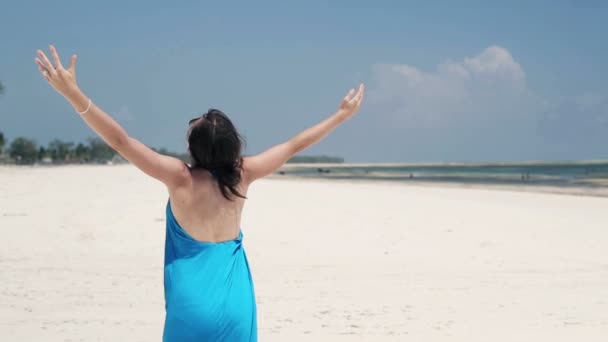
171, 171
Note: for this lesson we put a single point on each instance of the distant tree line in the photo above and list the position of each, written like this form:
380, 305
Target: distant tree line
23, 150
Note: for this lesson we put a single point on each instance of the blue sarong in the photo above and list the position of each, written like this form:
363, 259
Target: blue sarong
209, 294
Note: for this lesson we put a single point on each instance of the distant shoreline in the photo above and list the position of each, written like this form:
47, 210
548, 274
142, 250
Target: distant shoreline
418, 164
572, 189
364, 164
575, 190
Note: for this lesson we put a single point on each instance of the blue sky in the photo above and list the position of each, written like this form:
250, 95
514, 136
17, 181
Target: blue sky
477, 81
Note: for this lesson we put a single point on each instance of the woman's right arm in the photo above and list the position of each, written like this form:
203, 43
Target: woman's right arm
265, 163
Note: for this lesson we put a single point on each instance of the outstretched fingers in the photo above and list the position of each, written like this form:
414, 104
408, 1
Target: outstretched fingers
42, 69
356, 97
359, 97
45, 62
50, 71
349, 96
72, 66
40, 64
55, 57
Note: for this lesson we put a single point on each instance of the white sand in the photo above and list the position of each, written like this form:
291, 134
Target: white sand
82, 257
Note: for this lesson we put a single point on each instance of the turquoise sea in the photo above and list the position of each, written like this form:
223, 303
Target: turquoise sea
580, 174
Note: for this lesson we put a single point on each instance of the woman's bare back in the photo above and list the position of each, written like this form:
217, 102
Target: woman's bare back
203, 212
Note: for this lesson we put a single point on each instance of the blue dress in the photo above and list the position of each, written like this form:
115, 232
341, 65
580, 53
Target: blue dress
209, 293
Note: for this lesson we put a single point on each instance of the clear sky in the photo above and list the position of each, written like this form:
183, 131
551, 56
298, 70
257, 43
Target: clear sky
447, 81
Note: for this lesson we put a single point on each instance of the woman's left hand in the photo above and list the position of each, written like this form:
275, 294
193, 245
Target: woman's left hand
63, 80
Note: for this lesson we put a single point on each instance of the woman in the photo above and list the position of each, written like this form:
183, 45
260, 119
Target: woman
209, 294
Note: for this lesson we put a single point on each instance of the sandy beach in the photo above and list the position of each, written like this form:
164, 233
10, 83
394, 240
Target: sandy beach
82, 260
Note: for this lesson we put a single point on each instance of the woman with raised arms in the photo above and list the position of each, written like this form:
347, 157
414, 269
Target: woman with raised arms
209, 292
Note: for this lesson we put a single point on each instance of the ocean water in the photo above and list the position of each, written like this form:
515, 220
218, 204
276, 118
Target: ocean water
587, 174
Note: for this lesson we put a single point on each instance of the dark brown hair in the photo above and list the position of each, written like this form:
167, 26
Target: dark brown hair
214, 144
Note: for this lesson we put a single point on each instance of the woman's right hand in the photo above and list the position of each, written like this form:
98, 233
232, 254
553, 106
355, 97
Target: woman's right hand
61, 79
351, 102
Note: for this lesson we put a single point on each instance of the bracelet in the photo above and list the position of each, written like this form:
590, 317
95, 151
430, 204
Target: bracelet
86, 110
